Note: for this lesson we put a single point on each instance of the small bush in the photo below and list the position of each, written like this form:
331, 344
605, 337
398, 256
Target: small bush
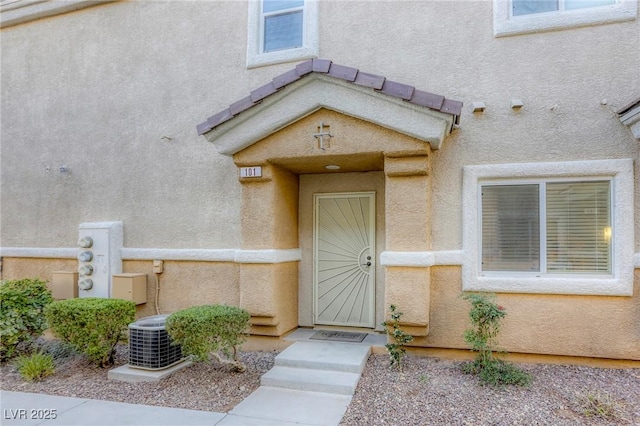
485, 317
497, 372
92, 326
600, 404
398, 338
21, 313
36, 366
204, 331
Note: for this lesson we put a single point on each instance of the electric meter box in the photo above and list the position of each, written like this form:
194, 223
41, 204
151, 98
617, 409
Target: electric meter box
129, 287
99, 247
64, 285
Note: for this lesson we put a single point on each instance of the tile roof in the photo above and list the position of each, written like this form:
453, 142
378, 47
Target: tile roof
324, 66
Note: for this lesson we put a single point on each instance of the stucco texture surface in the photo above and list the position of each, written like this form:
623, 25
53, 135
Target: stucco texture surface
604, 327
185, 284
99, 115
14, 268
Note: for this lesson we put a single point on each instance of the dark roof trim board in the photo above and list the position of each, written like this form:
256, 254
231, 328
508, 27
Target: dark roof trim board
377, 83
630, 117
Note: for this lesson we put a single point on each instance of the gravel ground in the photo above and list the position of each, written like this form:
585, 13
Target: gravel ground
429, 391
202, 386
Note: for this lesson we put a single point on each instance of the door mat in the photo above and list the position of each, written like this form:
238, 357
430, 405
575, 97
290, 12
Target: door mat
339, 336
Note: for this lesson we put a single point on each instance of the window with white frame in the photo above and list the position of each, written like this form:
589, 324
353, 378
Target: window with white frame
281, 31
562, 228
512, 17
546, 227
526, 7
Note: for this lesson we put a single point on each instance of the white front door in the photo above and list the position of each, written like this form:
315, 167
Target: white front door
344, 259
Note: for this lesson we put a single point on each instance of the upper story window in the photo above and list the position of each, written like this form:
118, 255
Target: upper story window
512, 17
526, 7
281, 31
282, 24
557, 228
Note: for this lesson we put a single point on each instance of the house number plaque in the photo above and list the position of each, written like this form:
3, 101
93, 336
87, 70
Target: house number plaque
249, 172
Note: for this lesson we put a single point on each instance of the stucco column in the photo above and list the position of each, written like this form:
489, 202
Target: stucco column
408, 228
269, 291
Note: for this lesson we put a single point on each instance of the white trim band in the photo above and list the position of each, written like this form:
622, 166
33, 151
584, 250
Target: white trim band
203, 255
40, 252
417, 259
421, 259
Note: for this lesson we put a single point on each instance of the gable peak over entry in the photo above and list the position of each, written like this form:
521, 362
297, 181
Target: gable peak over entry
319, 83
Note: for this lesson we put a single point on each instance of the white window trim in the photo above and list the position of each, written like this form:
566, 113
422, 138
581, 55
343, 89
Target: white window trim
621, 281
310, 49
506, 25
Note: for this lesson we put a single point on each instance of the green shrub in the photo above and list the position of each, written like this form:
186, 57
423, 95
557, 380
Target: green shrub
93, 326
204, 331
36, 366
21, 313
485, 317
398, 338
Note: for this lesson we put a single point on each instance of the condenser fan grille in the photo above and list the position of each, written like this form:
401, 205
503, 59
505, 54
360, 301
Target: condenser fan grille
150, 345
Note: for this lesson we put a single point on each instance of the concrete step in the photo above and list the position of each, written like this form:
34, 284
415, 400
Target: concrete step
343, 357
305, 379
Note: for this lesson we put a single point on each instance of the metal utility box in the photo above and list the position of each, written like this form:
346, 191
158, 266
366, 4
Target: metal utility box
129, 287
64, 285
150, 347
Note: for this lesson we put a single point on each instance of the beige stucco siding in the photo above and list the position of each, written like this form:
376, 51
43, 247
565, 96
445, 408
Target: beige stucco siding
571, 325
99, 115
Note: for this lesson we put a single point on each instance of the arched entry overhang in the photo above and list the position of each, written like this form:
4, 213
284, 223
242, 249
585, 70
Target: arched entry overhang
379, 133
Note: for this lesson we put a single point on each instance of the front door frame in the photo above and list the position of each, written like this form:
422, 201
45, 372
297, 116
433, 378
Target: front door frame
364, 266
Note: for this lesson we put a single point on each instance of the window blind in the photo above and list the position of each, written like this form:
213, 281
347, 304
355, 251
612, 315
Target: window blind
578, 227
510, 228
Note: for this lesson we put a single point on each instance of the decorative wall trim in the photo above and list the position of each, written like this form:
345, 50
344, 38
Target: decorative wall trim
421, 259
201, 255
268, 256
40, 252
416, 259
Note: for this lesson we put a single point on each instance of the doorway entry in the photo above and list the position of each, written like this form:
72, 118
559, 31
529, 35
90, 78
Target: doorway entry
344, 259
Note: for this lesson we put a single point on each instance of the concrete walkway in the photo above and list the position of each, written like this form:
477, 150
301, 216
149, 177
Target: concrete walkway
312, 383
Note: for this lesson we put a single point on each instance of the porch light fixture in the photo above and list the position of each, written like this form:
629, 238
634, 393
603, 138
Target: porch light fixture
332, 167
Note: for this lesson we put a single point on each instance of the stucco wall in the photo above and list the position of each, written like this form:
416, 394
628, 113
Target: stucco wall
75, 95
604, 327
114, 93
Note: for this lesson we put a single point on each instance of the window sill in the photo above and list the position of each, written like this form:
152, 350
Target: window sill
504, 25
538, 285
255, 60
